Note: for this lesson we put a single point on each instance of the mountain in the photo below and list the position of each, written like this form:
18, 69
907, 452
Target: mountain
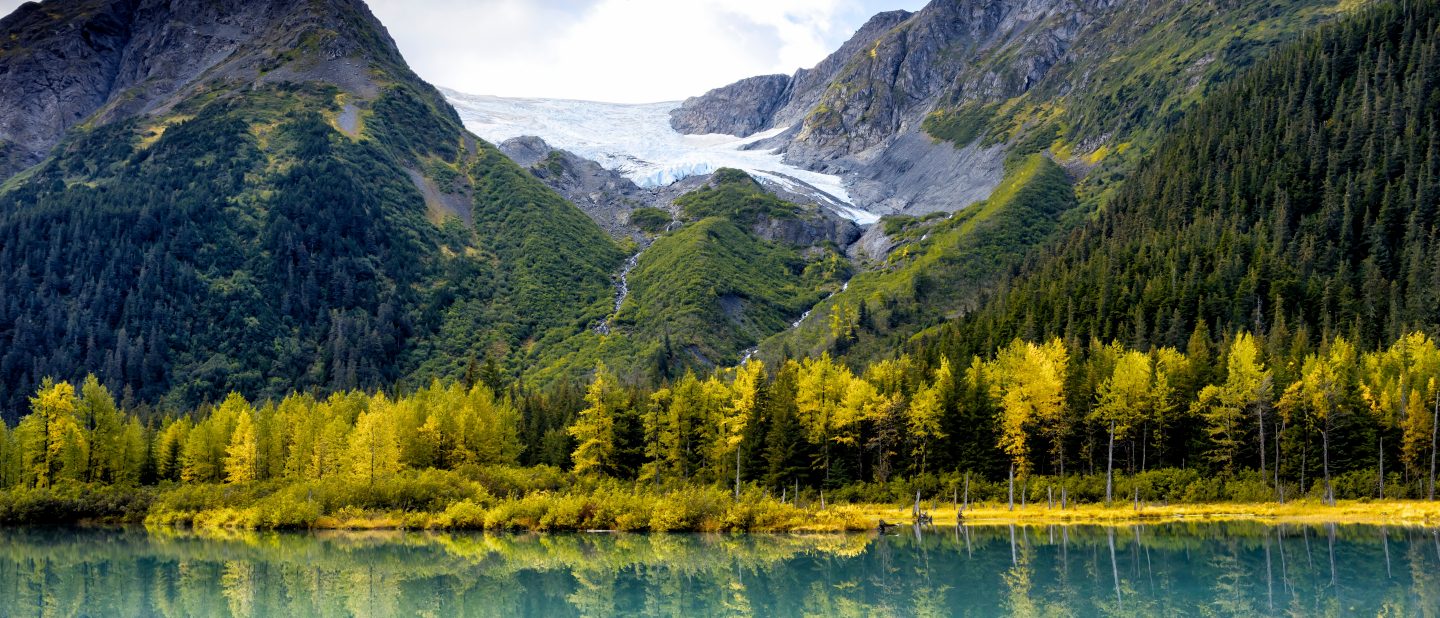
261, 197
995, 78
936, 116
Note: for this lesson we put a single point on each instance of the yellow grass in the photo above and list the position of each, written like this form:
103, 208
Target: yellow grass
1393, 512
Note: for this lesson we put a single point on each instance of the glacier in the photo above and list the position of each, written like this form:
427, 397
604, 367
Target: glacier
637, 141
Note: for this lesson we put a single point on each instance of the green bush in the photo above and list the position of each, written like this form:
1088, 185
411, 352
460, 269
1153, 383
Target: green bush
73, 503
651, 220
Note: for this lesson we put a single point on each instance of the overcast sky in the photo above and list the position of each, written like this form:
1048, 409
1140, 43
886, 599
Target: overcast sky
630, 51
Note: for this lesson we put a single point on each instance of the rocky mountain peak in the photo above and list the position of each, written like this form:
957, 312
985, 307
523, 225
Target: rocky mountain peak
771, 101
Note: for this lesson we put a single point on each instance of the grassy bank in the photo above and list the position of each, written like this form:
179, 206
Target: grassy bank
445, 504
1392, 512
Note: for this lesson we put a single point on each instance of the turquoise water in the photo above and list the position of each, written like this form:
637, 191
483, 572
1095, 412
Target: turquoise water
1178, 569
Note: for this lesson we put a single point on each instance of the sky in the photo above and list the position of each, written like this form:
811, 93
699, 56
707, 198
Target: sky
622, 51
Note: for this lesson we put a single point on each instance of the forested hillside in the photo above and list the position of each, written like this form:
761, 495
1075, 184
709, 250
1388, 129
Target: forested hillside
308, 230
1299, 203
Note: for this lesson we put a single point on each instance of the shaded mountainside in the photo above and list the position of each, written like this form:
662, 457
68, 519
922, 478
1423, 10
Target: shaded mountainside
1299, 203
64, 63
295, 210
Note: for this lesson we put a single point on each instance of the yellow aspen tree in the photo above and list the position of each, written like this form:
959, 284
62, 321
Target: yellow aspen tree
493, 435
373, 452
652, 425
1248, 388
746, 397
130, 456
924, 413
242, 455
820, 389
1394, 385
1122, 402
1028, 380
54, 445
203, 456
103, 424
1325, 392
594, 430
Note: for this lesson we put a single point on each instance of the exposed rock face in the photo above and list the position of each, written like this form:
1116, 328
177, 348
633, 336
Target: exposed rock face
75, 61
918, 175
872, 246
809, 231
943, 52
65, 62
743, 108
858, 113
772, 101
606, 196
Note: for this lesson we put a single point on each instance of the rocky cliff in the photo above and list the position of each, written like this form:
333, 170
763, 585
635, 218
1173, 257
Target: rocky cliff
774, 101
63, 62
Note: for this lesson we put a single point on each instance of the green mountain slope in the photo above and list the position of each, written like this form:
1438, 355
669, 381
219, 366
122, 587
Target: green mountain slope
703, 293
939, 267
1299, 202
279, 224
1130, 76
1092, 88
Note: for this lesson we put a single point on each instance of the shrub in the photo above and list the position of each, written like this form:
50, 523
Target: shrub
651, 220
463, 515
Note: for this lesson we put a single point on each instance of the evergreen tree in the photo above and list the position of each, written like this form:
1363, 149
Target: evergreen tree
594, 429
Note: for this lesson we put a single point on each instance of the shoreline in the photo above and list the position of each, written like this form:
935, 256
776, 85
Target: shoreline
1351, 512
1345, 512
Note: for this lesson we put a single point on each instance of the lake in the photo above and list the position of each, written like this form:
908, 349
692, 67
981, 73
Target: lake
1225, 569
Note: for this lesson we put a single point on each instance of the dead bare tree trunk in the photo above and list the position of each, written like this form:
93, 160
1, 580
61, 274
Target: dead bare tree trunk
1434, 431
1012, 487
1110, 467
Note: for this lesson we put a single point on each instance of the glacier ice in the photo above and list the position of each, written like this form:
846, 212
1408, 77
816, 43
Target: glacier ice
637, 141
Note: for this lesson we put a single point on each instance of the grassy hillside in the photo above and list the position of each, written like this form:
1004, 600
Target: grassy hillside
940, 267
702, 294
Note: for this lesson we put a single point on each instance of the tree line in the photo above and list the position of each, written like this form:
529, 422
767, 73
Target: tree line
1283, 414
81, 436
1294, 415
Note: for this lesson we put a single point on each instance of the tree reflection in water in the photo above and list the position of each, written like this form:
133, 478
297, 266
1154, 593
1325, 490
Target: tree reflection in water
1179, 569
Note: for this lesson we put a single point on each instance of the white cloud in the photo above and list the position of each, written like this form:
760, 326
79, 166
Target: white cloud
617, 50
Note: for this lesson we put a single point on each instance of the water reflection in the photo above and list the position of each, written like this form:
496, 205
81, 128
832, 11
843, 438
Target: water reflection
1181, 569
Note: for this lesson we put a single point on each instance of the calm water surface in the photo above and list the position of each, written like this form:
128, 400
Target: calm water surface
1177, 569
